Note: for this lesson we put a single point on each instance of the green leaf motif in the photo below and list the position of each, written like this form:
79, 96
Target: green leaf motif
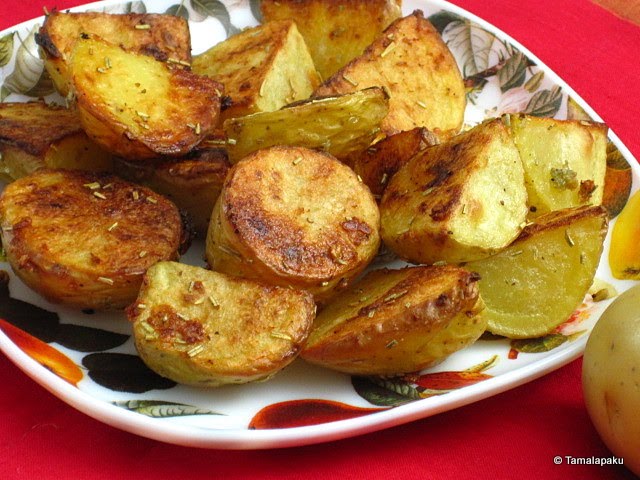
29, 76
385, 392
6, 48
178, 10
442, 19
162, 409
513, 72
545, 103
255, 9
534, 82
539, 345
215, 9
471, 45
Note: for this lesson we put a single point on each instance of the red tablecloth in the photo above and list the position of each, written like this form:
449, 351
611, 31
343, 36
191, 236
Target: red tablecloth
513, 435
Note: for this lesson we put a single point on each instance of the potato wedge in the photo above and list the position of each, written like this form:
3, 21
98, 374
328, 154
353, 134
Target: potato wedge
564, 161
164, 37
458, 201
335, 32
339, 125
262, 68
85, 239
203, 328
193, 183
398, 321
36, 135
413, 63
138, 107
294, 217
536, 283
378, 163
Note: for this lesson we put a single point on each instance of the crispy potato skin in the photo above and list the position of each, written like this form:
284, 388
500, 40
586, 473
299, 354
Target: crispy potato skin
162, 37
262, 68
336, 32
85, 239
293, 216
398, 321
137, 107
458, 201
416, 67
207, 329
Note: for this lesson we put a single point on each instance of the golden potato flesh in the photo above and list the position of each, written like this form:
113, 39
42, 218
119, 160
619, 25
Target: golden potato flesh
537, 282
35, 135
565, 161
138, 107
336, 32
163, 37
339, 125
207, 329
262, 68
398, 321
293, 216
413, 63
85, 239
458, 201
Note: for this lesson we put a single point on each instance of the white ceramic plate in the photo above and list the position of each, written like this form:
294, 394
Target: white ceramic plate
303, 404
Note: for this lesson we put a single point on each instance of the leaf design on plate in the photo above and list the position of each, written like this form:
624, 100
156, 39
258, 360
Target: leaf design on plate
545, 103
442, 19
6, 48
534, 82
539, 345
124, 373
513, 72
471, 44
179, 10
162, 409
128, 7
385, 392
215, 9
254, 5
88, 339
29, 76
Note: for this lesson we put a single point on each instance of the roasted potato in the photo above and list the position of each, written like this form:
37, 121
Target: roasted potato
536, 283
458, 201
336, 32
340, 125
203, 328
413, 63
138, 107
85, 239
295, 217
35, 135
378, 163
398, 321
164, 37
564, 161
193, 183
262, 68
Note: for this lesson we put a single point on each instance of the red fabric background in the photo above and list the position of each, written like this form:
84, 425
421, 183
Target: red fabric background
513, 435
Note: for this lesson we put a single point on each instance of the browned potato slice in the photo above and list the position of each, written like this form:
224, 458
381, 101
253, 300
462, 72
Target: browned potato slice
537, 282
138, 107
164, 37
293, 216
458, 201
193, 183
398, 321
413, 63
336, 32
262, 68
35, 135
378, 163
207, 329
339, 125
564, 161
85, 239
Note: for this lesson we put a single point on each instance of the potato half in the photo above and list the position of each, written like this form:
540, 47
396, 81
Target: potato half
537, 282
85, 239
163, 37
34, 135
138, 107
458, 201
412, 62
398, 321
293, 216
207, 329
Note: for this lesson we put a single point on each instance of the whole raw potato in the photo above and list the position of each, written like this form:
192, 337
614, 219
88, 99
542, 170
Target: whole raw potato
611, 377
